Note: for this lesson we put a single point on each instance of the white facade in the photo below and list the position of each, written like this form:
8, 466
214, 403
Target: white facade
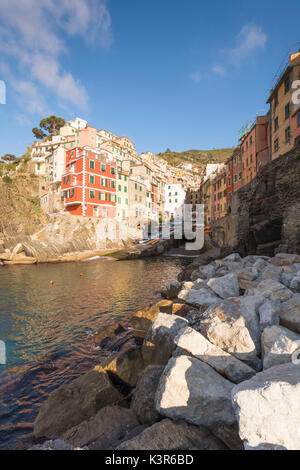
214, 168
78, 123
174, 198
59, 161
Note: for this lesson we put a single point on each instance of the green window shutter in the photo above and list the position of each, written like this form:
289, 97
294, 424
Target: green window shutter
119, 188
102, 167
92, 164
112, 184
92, 179
92, 195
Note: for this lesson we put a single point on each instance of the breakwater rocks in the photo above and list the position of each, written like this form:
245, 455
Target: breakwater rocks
212, 367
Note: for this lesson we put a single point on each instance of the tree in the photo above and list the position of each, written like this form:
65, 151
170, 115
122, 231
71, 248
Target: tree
51, 125
38, 133
168, 150
9, 157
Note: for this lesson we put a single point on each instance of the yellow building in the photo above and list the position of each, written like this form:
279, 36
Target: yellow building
281, 106
123, 191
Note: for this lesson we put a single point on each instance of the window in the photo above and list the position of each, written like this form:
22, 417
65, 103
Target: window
92, 165
275, 99
119, 200
287, 111
112, 184
102, 167
135, 186
234, 160
125, 189
247, 162
119, 188
240, 176
240, 157
298, 118
64, 176
276, 145
112, 170
251, 140
288, 134
103, 182
100, 196
229, 181
251, 158
120, 176
126, 202
276, 124
92, 179
140, 188
92, 194
286, 84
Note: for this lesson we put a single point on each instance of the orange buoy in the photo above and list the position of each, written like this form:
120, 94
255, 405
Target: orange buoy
51, 283
81, 275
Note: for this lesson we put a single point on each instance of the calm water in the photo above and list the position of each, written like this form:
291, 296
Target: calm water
48, 330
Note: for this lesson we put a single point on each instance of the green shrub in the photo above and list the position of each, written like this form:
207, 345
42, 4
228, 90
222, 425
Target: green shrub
7, 180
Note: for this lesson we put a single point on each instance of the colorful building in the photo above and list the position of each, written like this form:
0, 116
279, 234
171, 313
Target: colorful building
280, 100
237, 169
248, 153
229, 179
296, 124
262, 141
89, 183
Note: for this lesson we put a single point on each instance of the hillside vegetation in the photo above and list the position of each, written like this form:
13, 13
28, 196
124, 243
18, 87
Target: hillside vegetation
199, 158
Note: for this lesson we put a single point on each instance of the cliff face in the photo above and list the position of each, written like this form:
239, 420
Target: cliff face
20, 212
264, 215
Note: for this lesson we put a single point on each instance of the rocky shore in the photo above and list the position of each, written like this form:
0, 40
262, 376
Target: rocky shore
213, 366
19, 254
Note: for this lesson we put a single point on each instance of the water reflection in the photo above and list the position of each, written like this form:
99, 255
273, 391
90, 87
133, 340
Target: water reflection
47, 329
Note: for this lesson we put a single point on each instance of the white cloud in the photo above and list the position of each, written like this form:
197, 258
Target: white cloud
31, 35
219, 70
195, 77
250, 39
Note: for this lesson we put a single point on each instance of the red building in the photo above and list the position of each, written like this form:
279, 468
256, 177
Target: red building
248, 151
89, 184
237, 169
229, 178
262, 141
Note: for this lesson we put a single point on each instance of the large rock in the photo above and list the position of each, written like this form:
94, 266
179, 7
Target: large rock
290, 314
269, 313
75, 402
273, 290
271, 272
167, 435
142, 403
191, 390
226, 364
125, 366
225, 286
143, 319
224, 326
159, 342
295, 284
247, 274
248, 306
18, 249
171, 290
199, 297
268, 408
100, 432
278, 345
57, 444
204, 272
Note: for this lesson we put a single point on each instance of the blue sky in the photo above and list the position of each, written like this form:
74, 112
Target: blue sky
166, 73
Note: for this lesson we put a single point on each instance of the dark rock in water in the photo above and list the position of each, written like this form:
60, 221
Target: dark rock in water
170, 435
143, 396
75, 402
111, 424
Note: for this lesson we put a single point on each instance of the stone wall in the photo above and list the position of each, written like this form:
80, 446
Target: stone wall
264, 215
